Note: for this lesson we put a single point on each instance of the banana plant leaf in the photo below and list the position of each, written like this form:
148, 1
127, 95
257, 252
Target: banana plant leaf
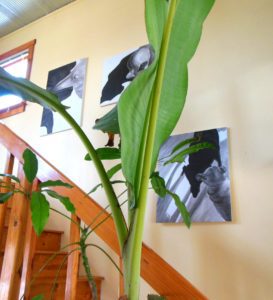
134, 108
11, 85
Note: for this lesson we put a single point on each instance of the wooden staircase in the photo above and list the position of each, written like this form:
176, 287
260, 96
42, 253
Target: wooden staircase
16, 271
47, 246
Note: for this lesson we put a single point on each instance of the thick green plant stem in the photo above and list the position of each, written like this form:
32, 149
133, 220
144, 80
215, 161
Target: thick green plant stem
118, 217
135, 246
86, 266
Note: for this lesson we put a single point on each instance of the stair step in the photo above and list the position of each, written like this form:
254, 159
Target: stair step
83, 291
41, 257
49, 240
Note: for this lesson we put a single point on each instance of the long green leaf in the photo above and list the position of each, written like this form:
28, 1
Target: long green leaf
27, 90
63, 199
100, 185
182, 208
106, 154
5, 197
183, 144
132, 108
172, 88
30, 165
158, 184
155, 16
11, 177
39, 211
55, 183
109, 122
113, 171
180, 157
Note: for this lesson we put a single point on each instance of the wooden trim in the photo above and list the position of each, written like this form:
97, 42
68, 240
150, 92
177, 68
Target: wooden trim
72, 274
18, 49
13, 254
18, 108
12, 110
156, 271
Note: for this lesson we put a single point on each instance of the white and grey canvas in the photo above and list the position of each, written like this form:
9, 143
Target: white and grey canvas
201, 181
68, 83
120, 70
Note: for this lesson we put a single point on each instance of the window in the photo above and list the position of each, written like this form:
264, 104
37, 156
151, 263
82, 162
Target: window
18, 63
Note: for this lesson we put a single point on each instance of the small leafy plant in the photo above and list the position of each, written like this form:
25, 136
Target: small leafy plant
145, 116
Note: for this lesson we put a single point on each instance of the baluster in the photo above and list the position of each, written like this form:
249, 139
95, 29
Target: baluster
10, 276
29, 251
73, 262
8, 170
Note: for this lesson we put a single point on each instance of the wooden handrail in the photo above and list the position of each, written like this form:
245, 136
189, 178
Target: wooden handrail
155, 271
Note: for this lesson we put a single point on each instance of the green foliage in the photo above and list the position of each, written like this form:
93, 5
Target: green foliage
106, 154
38, 297
109, 122
64, 200
27, 90
156, 297
158, 184
30, 165
183, 144
182, 208
180, 157
181, 36
113, 171
11, 177
100, 185
39, 211
5, 197
156, 16
50, 183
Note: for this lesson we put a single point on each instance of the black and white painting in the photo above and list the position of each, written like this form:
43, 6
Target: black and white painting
201, 180
121, 69
67, 82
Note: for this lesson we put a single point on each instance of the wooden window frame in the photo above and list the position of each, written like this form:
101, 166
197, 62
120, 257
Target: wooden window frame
18, 108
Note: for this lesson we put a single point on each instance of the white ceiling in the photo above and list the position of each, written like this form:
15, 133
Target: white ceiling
15, 14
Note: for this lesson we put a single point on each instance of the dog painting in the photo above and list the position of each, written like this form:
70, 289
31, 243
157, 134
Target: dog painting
121, 69
67, 82
201, 180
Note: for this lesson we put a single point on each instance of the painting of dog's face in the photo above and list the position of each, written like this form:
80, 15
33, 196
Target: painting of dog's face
67, 82
120, 70
201, 181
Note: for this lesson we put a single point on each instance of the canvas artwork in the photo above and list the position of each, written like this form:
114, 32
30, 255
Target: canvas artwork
121, 69
201, 180
68, 83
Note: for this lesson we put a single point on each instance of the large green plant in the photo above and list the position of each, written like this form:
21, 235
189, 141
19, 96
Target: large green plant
147, 113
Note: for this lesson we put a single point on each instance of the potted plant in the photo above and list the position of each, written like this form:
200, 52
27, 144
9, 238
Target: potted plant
145, 117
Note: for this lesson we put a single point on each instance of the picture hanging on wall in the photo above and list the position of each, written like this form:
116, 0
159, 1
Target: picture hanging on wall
201, 180
121, 69
68, 83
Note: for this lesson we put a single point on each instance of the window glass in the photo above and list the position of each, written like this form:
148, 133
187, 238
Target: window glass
18, 63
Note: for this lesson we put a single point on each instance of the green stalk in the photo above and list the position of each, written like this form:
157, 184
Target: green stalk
118, 217
136, 235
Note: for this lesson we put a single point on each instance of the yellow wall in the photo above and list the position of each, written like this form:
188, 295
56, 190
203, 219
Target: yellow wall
230, 85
